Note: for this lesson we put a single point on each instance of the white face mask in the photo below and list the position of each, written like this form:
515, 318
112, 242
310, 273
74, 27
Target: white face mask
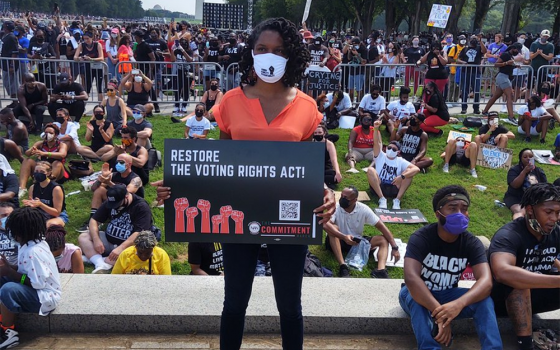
460, 144
378, 41
113, 35
356, 47
391, 153
50, 137
269, 67
138, 79
415, 42
389, 50
463, 42
521, 41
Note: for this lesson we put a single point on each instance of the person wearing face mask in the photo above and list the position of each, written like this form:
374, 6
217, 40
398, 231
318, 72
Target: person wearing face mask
413, 141
546, 92
520, 74
436, 256
142, 126
213, 96
495, 50
542, 52
434, 108
533, 119
335, 53
143, 52
116, 108
412, 54
138, 87
462, 152
70, 95
356, 55
397, 112
197, 127
181, 54
332, 170
125, 215
38, 51
51, 150
436, 59
9, 247
100, 133
522, 254
68, 131
360, 144
21, 34
387, 75
519, 178
373, 103
160, 49
91, 51
454, 73
9, 184
68, 256
10, 68
389, 175
47, 196
347, 226
211, 54
319, 52
112, 50
494, 134
125, 54
231, 54
471, 76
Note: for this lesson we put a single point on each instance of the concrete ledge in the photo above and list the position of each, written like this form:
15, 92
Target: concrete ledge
186, 304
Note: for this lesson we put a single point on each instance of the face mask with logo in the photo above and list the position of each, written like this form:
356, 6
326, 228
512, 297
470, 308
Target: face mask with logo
136, 116
391, 153
99, 116
462, 42
121, 168
455, 223
269, 67
39, 177
318, 137
344, 202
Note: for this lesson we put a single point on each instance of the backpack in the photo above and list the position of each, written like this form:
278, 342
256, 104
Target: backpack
312, 267
472, 122
154, 159
79, 168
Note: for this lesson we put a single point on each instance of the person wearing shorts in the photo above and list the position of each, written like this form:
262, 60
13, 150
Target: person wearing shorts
360, 144
462, 152
533, 119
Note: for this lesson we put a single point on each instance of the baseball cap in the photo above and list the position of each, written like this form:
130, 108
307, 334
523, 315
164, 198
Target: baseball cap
139, 33
493, 114
140, 108
63, 77
356, 40
545, 32
116, 195
104, 35
115, 30
307, 35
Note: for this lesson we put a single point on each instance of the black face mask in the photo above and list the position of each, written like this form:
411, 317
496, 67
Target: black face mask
413, 122
232, 41
98, 116
213, 87
60, 120
344, 202
318, 137
545, 91
366, 126
473, 43
199, 113
40, 41
39, 177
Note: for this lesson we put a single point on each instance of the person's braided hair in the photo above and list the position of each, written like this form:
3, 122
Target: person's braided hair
145, 240
55, 237
27, 224
539, 193
297, 54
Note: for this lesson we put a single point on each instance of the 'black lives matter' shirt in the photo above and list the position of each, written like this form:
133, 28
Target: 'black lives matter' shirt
208, 256
72, 89
443, 262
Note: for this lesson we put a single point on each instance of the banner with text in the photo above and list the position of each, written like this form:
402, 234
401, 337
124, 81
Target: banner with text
266, 191
323, 80
439, 15
400, 216
493, 157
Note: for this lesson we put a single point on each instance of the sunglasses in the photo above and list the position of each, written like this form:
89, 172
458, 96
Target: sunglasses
393, 148
110, 90
121, 162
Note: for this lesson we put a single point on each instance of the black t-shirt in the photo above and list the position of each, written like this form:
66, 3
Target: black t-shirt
158, 46
436, 70
73, 89
471, 55
117, 178
372, 54
46, 196
413, 54
208, 256
499, 130
557, 182
442, 262
234, 53
531, 255
410, 143
514, 172
507, 69
435, 102
45, 49
317, 52
136, 217
142, 52
9, 48
10, 183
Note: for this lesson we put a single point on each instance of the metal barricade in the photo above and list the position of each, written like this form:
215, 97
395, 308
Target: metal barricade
232, 77
551, 74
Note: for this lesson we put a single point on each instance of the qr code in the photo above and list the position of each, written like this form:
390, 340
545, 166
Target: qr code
289, 210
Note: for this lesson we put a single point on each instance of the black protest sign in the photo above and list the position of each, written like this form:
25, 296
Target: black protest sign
400, 216
243, 191
323, 81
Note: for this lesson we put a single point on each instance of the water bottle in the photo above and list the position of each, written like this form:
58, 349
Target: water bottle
480, 188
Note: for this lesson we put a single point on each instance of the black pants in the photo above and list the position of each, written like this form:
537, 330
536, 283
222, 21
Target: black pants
75, 109
183, 86
36, 113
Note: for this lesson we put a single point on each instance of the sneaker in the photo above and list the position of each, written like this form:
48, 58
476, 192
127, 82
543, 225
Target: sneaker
22, 192
476, 112
446, 168
528, 139
343, 271
396, 204
175, 120
379, 273
543, 140
464, 111
504, 109
84, 228
512, 120
156, 108
485, 114
184, 109
9, 339
353, 171
473, 173
103, 268
383, 203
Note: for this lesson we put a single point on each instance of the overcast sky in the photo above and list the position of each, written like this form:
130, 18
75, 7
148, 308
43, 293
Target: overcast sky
186, 6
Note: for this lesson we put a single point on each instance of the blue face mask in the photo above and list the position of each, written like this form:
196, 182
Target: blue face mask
16, 33
455, 223
136, 116
3, 222
120, 167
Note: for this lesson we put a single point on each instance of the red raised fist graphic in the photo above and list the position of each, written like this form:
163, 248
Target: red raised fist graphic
225, 211
216, 221
180, 205
238, 216
204, 207
192, 212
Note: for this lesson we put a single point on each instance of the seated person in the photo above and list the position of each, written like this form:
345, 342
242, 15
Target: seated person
68, 256
10, 150
33, 99
413, 141
138, 87
197, 127
545, 95
556, 151
143, 258
47, 195
206, 259
9, 183
347, 223
70, 95
8, 245
533, 119
389, 175
332, 170
434, 108
212, 97
522, 254
129, 146
126, 215
493, 133
116, 108
68, 130
399, 110
33, 285
142, 126
431, 296
360, 144
519, 178
16, 134
99, 132
335, 104
50, 150
372, 104
461, 152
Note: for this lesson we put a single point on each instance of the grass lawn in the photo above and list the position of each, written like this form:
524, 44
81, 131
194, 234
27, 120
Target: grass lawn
485, 217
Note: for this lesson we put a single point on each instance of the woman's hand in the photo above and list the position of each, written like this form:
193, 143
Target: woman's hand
163, 192
326, 210
338, 177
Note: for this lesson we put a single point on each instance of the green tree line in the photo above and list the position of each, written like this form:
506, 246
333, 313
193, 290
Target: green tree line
104, 8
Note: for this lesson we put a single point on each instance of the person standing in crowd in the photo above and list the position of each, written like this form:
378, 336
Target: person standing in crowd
10, 67
414, 142
112, 50
493, 54
92, 52
182, 54
541, 53
68, 256
21, 35
70, 95
434, 108
143, 52
290, 115
493, 133
520, 74
160, 49
143, 258
431, 296
388, 73
413, 54
211, 55
522, 254
125, 55
436, 59
471, 76
230, 56
454, 73
39, 49
33, 99
356, 54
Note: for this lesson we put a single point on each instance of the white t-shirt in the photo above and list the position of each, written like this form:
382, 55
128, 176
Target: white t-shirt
525, 54
346, 103
535, 113
71, 130
368, 104
197, 127
400, 111
353, 223
389, 169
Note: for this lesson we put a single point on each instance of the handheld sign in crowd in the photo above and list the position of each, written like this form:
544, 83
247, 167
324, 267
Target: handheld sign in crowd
453, 135
400, 216
493, 157
439, 15
323, 80
243, 191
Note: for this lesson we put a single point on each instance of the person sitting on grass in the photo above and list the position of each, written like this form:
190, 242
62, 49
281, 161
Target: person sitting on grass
533, 119
413, 140
16, 132
389, 175
68, 256
8, 245
332, 170
143, 127
68, 130
347, 224
436, 256
493, 133
47, 195
33, 286
372, 104
143, 258
462, 152
549, 104
100, 133
199, 126
398, 111
434, 108
360, 144
9, 184
206, 259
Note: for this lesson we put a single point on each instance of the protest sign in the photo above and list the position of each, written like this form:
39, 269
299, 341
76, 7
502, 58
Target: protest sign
266, 191
493, 157
306, 11
545, 156
390, 259
455, 134
439, 15
400, 216
323, 80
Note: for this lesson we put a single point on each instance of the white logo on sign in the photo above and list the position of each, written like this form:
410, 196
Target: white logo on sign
254, 227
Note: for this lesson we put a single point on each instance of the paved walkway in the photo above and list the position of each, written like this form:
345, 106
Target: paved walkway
254, 342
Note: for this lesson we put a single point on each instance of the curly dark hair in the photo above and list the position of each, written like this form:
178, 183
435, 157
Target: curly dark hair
27, 224
539, 193
296, 52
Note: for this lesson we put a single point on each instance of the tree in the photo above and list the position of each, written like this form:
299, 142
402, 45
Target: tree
481, 10
364, 11
512, 15
454, 15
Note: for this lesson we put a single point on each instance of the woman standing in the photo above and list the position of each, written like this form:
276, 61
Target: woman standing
389, 72
268, 107
436, 59
112, 49
92, 52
